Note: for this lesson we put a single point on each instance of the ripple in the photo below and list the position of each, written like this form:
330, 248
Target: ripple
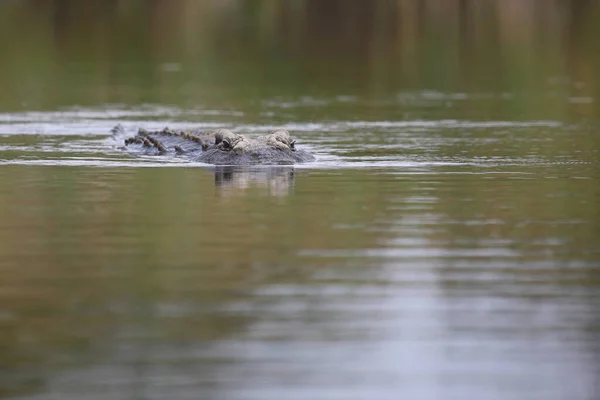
75, 113
384, 144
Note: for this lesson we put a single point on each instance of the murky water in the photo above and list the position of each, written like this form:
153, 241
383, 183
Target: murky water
433, 259
444, 245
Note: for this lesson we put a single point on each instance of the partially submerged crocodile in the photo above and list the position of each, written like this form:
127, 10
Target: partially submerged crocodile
222, 147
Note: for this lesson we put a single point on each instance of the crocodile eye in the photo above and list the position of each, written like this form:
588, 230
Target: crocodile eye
226, 145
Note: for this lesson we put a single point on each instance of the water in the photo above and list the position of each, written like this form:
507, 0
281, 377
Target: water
444, 245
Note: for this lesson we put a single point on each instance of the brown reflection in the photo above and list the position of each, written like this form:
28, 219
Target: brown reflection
229, 53
95, 261
234, 181
144, 257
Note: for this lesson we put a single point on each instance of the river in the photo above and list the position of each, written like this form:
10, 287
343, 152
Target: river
444, 245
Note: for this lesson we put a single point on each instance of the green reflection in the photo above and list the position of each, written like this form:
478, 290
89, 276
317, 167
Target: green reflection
97, 260
191, 53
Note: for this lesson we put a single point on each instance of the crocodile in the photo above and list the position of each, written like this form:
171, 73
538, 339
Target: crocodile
221, 147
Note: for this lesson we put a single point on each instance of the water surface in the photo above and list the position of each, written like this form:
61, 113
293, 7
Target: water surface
439, 259
444, 245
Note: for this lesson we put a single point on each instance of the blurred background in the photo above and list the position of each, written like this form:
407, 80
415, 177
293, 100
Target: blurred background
444, 245
60, 52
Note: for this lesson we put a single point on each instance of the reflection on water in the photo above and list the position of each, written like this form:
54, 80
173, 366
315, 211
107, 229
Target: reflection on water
232, 54
444, 244
450, 281
436, 259
276, 181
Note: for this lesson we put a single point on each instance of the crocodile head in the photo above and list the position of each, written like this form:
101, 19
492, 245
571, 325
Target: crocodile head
229, 148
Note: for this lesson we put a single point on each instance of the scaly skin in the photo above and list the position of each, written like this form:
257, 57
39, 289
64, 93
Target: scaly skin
223, 147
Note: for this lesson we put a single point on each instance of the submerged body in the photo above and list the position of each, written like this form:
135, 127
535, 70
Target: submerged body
223, 147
